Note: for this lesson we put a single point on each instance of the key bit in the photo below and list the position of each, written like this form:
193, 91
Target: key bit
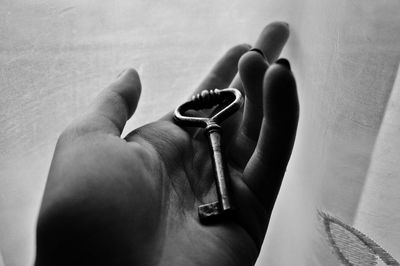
207, 99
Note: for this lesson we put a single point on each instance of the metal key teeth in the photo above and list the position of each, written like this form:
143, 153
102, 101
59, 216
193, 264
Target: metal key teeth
206, 99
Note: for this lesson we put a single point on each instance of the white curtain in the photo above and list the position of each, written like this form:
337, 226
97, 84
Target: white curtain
345, 166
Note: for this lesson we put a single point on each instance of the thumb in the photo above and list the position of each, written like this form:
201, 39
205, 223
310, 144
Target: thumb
114, 106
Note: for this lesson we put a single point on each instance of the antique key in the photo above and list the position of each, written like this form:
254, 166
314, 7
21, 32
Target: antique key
207, 99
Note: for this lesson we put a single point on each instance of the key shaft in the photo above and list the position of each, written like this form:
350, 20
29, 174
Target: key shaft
221, 173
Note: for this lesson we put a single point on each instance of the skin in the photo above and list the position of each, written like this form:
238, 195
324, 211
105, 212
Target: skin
133, 201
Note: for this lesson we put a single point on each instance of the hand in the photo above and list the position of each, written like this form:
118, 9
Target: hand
133, 201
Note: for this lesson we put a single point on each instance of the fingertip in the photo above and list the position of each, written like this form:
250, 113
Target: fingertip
277, 26
284, 62
281, 104
272, 39
251, 65
280, 24
258, 51
226, 68
129, 75
244, 46
129, 87
238, 50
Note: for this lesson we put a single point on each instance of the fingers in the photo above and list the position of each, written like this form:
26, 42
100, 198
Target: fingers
270, 42
266, 167
252, 67
113, 107
224, 70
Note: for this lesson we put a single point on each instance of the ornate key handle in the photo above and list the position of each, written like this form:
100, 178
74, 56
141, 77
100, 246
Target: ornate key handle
212, 212
207, 99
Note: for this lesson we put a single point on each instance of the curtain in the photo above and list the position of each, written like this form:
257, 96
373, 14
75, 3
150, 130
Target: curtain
338, 203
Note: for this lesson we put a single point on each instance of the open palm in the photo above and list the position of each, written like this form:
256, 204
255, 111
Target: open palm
133, 201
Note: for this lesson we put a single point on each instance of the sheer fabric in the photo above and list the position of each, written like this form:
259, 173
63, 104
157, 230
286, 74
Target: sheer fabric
55, 57
345, 164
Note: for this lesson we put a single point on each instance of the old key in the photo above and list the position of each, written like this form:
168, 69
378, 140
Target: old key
232, 98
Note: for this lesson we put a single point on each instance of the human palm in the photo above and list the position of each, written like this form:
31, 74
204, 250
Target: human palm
133, 201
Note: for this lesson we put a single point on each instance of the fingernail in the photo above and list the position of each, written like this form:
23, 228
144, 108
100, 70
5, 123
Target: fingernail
258, 51
283, 62
287, 24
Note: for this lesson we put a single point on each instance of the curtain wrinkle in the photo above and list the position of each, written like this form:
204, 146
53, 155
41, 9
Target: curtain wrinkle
345, 56
393, 95
378, 214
